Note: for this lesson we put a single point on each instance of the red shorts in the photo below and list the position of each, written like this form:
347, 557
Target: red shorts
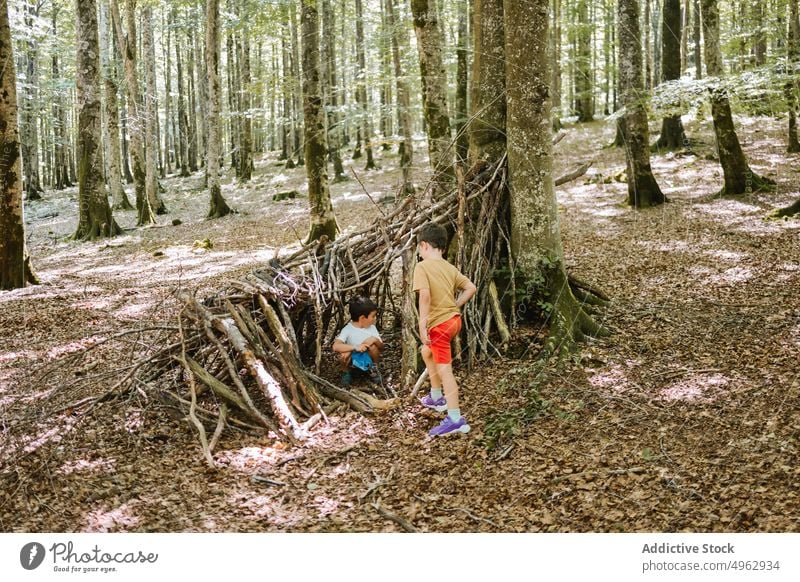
441, 336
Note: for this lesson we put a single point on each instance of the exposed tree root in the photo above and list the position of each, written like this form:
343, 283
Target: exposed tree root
790, 211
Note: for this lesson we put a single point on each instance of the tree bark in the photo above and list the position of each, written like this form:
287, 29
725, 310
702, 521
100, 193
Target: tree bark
29, 118
328, 68
739, 178
536, 239
94, 213
183, 119
13, 258
584, 104
643, 191
434, 94
462, 114
297, 96
672, 133
152, 141
246, 123
323, 220
791, 86
135, 120
487, 132
698, 62
402, 93
361, 86
218, 207
60, 157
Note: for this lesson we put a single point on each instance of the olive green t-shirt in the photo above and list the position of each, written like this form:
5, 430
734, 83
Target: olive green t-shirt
444, 281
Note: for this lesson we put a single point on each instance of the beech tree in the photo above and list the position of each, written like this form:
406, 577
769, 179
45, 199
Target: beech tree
323, 220
14, 264
643, 190
94, 212
739, 178
218, 206
672, 133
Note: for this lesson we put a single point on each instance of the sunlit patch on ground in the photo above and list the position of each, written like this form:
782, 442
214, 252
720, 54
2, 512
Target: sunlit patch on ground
51, 435
614, 379
120, 518
84, 465
696, 387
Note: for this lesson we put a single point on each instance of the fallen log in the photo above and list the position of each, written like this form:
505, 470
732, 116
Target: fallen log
574, 174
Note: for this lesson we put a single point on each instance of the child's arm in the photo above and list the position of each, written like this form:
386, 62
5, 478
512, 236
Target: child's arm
342, 347
467, 291
424, 312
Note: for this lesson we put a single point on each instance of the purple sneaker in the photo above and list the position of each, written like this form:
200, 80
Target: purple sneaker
437, 405
449, 426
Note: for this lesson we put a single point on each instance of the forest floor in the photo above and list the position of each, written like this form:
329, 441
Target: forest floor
685, 419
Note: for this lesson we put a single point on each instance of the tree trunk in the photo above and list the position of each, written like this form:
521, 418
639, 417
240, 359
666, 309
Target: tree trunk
386, 80
583, 64
536, 239
698, 68
297, 95
672, 134
684, 34
218, 207
487, 132
288, 124
195, 129
361, 86
323, 220
434, 94
111, 135
135, 118
643, 191
183, 119
233, 102
30, 107
739, 178
245, 124
169, 136
791, 86
760, 41
60, 141
13, 257
152, 141
402, 92
328, 67
462, 114
94, 213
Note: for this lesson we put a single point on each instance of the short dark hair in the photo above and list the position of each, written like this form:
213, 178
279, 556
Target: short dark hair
433, 234
361, 306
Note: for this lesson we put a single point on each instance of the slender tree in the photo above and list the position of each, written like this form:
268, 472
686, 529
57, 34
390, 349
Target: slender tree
362, 97
218, 207
94, 213
584, 104
331, 90
29, 115
402, 94
150, 109
462, 136
14, 263
793, 60
739, 178
60, 140
672, 133
323, 220
643, 190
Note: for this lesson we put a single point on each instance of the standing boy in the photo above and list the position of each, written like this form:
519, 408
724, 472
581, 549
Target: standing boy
359, 344
437, 282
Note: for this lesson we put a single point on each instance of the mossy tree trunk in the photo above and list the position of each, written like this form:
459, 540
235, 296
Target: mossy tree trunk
584, 104
536, 238
218, 207
14, 272
672, 133
94, 212
739, 178
434, 93
323, 220
643, 191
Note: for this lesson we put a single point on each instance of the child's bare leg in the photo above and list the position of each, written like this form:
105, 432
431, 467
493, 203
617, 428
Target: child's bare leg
344, 361
430, 363
374, 353
450, 385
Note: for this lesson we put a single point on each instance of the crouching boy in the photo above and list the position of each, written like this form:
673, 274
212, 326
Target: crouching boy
359, 344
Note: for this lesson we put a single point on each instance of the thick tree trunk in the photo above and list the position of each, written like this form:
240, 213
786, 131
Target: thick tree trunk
218, 207
361, 86
135, 117
13, 258
672, 134
739, 178
323, 220
402, 92
487, 132
536, 238
94, 213
434, 94
643, 191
